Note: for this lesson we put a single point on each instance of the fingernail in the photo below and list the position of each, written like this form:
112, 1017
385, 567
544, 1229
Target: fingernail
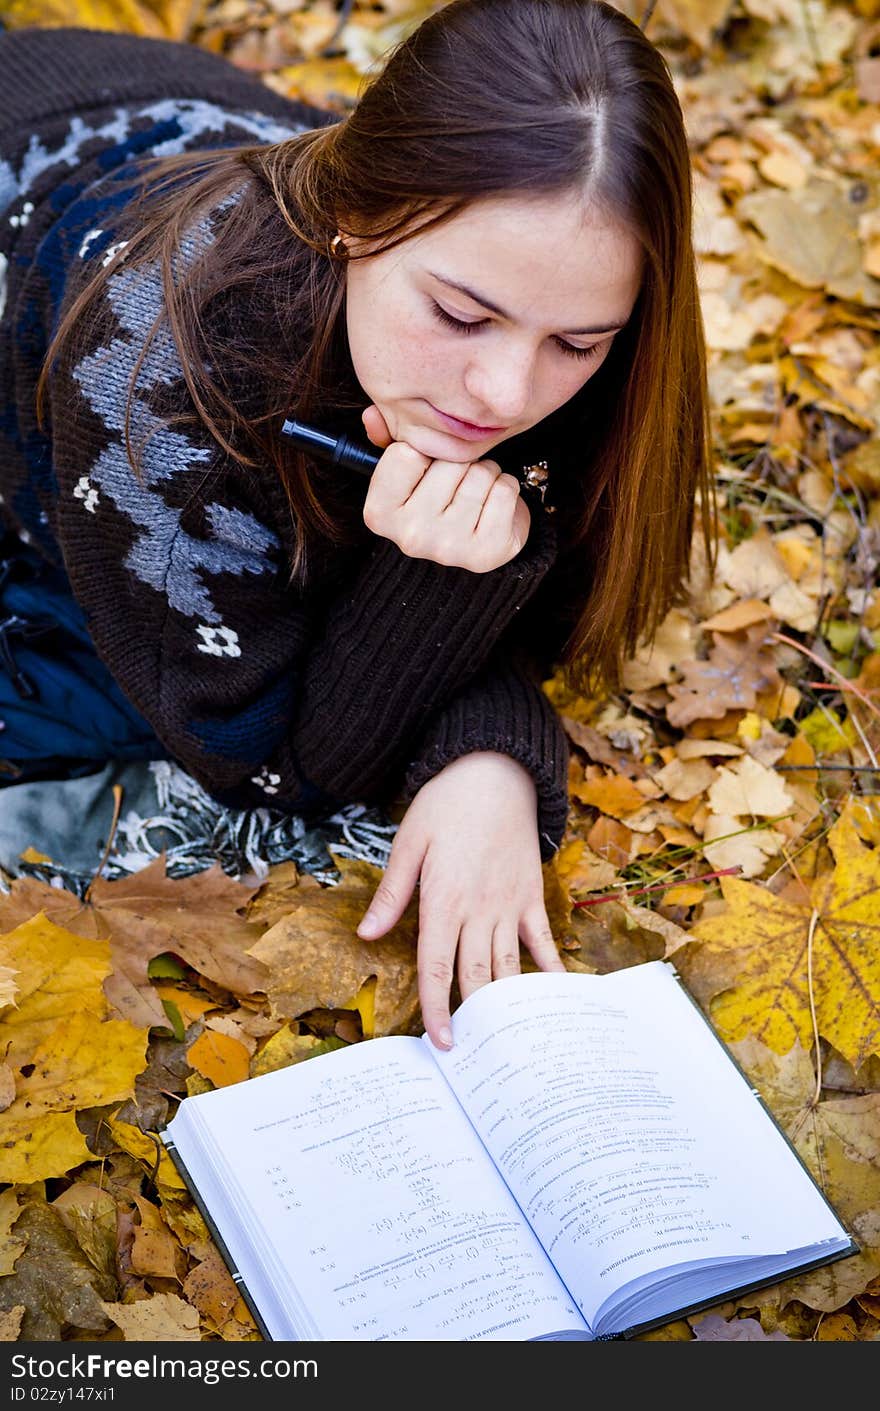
369, 925
445, 1037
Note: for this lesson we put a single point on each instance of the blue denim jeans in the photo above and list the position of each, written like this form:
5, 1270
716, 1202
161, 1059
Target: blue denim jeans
62, 713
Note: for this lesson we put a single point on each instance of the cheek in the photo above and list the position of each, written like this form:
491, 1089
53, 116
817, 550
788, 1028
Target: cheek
398, 356
565, 381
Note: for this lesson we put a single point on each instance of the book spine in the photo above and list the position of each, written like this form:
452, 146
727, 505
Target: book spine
237, 1279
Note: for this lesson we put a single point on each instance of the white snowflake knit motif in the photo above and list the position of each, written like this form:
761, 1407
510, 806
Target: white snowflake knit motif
88, 239
218, 641
27, 211
113, 251
84, 490
266, 781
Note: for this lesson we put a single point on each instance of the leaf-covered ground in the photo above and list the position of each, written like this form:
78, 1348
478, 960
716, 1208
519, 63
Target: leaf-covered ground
725, 806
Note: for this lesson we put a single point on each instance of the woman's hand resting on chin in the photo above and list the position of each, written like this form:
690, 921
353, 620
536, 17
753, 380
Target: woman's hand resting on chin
470, 839
464, 515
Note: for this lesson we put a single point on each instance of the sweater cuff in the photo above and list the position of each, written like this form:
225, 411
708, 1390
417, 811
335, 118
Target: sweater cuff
502, 710
399, 643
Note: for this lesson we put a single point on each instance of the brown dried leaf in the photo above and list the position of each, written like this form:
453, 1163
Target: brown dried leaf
613, 935
812, 236
89, 1212
712, 1328
164, 1317
314, 959
599, 748
211, 1289
729, 679
59, 1287
12, 1246
155, 1253
10, 1323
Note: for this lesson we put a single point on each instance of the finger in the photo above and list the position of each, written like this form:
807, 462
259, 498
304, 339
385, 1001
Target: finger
394, 891
505, 951
537, 937
505, 512
438, 941
470, 494
474, 957
376, 426
397, 475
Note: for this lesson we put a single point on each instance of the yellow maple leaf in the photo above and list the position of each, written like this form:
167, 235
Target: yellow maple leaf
768, 962
38, 1149
58, 974
83, 1063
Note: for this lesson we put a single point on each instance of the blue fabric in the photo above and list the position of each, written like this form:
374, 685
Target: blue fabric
61, 710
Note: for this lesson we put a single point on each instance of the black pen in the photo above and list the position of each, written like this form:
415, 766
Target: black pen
338, 450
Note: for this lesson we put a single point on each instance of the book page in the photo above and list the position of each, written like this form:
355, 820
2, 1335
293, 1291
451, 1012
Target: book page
630, 1140
379, 1214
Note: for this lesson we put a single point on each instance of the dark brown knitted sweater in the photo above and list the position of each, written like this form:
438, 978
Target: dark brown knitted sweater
361, 687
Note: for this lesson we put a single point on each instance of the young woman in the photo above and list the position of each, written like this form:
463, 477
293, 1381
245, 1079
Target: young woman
486, 268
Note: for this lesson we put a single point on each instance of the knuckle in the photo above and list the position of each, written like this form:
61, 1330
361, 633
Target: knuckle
439, 972
543, 938
508, 484
480, 477
476, 972
507, 962
410, 542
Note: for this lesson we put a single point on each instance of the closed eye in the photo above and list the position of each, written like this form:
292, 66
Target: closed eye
466, 328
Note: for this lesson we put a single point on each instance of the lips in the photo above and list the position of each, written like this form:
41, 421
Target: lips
459, 427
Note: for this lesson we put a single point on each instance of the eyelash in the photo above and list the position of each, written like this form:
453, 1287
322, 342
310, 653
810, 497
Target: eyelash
461, 327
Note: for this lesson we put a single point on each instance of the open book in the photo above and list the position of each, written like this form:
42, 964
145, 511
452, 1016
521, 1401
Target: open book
587, 1161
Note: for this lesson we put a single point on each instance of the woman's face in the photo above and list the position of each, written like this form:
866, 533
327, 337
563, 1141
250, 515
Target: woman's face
474, 331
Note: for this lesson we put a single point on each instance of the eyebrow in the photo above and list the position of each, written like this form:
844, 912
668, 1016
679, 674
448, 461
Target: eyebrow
493, 308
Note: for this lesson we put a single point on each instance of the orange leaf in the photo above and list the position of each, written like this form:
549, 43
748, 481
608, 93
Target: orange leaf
219, 1058
614, 795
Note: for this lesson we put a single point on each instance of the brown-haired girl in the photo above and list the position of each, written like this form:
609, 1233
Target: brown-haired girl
485, 268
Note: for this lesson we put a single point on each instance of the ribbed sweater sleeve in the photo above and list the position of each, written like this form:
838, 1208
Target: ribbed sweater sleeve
395, 649
502, 709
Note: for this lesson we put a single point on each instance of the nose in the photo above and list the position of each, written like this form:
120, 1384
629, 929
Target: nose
499, 381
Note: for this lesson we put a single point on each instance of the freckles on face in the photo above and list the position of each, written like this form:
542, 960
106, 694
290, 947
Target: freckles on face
495, 318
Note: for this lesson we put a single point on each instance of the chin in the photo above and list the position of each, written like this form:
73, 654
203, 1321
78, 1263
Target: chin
443, 446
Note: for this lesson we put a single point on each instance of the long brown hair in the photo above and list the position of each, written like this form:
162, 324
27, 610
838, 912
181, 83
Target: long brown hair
484, 97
